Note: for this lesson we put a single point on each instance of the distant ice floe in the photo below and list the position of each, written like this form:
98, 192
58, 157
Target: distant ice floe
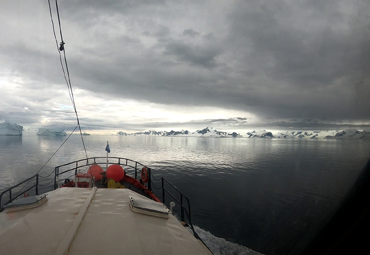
220, 246
10, 129
50, 132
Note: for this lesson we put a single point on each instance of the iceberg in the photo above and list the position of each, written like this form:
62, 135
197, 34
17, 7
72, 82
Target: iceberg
50, 132
8, 128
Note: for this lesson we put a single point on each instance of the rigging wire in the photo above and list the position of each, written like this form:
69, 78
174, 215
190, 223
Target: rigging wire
155, 186
155, 177
65, 67
55, 153
69, 85
46, 184
48, 161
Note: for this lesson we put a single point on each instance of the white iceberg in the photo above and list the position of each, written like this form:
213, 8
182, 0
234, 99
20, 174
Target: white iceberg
50, 132
8, 128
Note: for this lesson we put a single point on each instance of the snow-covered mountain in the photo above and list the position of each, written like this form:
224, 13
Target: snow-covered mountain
317, 134
121, 133
7, 128
292, 134
206, 132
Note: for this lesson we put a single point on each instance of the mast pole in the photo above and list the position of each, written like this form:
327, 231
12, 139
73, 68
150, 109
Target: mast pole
107, 150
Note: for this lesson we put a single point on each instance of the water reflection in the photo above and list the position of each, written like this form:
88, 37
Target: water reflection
9, 140
46, 142
262, 193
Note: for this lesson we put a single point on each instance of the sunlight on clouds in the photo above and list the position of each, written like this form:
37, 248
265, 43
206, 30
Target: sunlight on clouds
100, 110
131, 110
44, 119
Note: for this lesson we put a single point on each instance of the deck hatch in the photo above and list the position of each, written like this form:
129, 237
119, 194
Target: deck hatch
148, 207
25, 203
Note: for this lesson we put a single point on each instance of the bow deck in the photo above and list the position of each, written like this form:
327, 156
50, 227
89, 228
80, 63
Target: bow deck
93, 221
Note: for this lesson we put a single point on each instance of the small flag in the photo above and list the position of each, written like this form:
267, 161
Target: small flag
107, 149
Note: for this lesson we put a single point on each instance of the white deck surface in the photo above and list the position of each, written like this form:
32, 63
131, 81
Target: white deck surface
85, 221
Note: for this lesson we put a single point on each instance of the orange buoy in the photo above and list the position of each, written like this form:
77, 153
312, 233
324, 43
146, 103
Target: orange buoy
144, 175
95, 170
115, 172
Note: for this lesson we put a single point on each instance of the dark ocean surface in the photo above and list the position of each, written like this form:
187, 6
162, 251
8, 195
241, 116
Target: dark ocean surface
271, 195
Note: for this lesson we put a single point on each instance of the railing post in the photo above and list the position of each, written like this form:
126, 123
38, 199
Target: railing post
56, 172
182, 209
10, 195
37, 184
189, 213
136, 170
150, 179
163, 191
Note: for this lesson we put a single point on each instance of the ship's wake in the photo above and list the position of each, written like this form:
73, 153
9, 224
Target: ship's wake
220, 246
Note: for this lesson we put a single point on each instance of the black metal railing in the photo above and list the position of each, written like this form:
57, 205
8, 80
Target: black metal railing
184, 203
14, 194
180, 199
131, 167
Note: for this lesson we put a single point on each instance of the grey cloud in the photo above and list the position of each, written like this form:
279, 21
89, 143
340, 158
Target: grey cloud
162, 31
198, 55
308, 50
276, 59
190, 32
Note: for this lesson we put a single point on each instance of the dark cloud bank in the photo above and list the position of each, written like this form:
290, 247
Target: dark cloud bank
277, 59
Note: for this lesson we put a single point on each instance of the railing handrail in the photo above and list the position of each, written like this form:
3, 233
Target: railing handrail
95, 158
9, 190
95, 161
75, 165
184, 209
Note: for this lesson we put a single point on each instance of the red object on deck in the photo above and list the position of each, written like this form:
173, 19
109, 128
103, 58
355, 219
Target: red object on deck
68, 184
144, 175
138, 185
96, 171
83, 180
83, 184
115, 172
86, 175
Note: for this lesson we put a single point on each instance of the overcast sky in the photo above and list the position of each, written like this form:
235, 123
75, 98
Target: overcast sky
138, 65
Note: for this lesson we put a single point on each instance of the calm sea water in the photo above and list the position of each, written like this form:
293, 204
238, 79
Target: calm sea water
270, 195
